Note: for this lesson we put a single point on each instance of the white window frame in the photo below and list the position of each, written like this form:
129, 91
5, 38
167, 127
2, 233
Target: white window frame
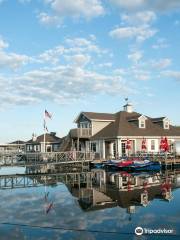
142, 122
155, 144
166, 123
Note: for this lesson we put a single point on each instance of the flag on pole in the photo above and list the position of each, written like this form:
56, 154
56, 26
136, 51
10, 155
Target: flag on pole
143, 145
47, 114
161, 146
45, 127
166, 145
128, 144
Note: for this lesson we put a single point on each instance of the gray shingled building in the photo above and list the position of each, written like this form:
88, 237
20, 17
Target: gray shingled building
107, 134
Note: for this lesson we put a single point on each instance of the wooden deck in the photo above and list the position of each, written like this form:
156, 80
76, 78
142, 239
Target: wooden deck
170, 163
37, 159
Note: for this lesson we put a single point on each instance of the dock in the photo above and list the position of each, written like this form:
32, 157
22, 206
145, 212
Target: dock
14, 181
170, 163
37, 159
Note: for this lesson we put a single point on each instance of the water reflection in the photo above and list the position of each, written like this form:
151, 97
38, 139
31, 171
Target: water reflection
93, 200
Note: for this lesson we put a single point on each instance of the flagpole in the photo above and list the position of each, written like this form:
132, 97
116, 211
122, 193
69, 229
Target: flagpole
44, 133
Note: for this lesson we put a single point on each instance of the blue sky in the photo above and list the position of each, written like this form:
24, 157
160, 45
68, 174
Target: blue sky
86, 55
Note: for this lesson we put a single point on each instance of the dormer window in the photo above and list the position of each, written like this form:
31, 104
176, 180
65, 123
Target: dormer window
142, 122
166, 124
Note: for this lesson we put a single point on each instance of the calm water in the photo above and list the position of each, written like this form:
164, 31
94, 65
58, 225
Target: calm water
89, 205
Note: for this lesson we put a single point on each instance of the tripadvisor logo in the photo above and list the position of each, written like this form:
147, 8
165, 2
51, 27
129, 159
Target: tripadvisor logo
138, 231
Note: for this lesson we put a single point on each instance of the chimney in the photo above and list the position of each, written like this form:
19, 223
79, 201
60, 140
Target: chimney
34, 137
53, 134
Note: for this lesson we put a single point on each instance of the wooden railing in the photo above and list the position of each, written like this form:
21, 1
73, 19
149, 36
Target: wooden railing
40, 179
81, 132
33, 159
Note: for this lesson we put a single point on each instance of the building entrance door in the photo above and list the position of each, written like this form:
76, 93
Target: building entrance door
48, 148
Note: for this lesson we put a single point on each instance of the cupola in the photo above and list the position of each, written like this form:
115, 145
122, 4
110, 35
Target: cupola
128, 107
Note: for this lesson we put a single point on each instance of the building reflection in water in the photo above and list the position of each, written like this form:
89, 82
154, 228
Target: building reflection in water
99, 189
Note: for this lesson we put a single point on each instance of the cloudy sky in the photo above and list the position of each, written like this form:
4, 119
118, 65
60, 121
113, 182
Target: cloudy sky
86, 55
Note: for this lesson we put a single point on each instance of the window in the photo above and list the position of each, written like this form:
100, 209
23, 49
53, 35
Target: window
166, 125
84, 125
152, 145
114, 149
56, 147
37, 148
93, 147
142, 124
123, 148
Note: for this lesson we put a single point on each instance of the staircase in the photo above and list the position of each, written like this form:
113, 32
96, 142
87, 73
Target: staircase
66, 144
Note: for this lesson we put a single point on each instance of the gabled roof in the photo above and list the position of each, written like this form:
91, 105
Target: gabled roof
97, 116
49, 138
123, 127
160, 119
17, 142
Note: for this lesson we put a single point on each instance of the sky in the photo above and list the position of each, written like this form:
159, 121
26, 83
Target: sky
86, 55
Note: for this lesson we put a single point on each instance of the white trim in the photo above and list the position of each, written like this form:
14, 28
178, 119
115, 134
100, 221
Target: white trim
75, 120
142, 116
100, 120
125, 137
164, 123
156, 146
141, 119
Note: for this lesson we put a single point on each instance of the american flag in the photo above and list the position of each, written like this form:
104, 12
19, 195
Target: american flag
45, 127
47, 114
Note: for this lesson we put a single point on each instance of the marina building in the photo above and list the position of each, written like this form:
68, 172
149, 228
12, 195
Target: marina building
49, 140
108, 135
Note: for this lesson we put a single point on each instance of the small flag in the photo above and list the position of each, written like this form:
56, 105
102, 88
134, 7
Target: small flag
47, 114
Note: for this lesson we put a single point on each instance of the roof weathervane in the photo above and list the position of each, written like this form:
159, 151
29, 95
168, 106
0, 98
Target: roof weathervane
126, 99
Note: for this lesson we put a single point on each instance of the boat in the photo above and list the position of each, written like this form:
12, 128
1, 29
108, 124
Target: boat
145, 165
96, 165
124, 164
111, 164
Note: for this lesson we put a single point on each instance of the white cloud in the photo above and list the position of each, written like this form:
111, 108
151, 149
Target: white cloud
75, 49
48, 20
61, 84
172, 74
3, 44
140, 74
106, 64
119, 71
135, 56
51, 55
161, 43
162, 63
128, 4
10, 59
142, 17
79, 59
156, 5
78, 8
65, 75
140, 33
74, 9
